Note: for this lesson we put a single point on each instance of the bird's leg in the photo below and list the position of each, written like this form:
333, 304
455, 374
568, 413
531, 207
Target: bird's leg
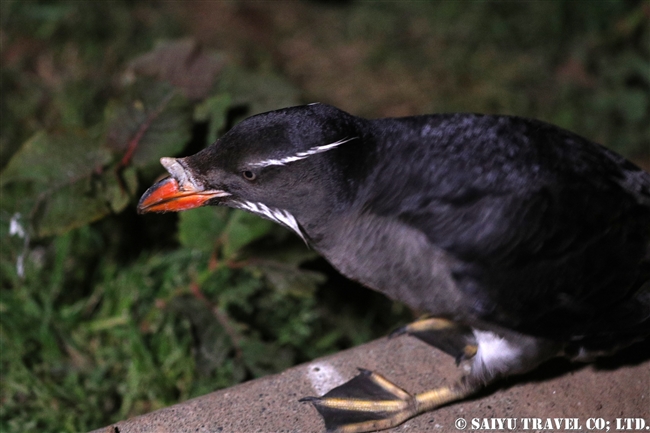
452, 338
371, 402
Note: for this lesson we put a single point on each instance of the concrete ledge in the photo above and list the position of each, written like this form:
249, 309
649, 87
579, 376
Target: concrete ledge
617, 389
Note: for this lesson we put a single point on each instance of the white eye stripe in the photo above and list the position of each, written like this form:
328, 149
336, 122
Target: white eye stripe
279, 216
302, 155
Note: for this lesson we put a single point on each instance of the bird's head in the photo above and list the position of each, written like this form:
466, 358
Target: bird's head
280, 165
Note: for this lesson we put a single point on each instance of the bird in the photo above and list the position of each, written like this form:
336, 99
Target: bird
520, 240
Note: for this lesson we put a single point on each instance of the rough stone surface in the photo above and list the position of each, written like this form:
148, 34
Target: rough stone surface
617, 387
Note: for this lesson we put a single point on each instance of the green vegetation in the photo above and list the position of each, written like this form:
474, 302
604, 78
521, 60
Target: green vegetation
105, 314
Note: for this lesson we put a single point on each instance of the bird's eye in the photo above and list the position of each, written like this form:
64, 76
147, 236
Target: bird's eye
248, 175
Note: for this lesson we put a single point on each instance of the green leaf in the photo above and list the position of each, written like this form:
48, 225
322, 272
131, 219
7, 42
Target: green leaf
54, 159
243, 228
213, 110
263, 358
633, 104
212, 343
200, 228
68, 179
72, 205
261, 92
70, 183
291, 280
119, 194
293, 254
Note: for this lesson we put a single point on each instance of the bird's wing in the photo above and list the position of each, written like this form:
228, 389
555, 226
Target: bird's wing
551, 230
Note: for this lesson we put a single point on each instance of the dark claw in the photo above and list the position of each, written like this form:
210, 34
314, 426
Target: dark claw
397, 332
308, 399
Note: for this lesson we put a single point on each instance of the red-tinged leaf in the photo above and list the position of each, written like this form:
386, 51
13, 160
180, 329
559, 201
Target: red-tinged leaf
153, 121
182, 63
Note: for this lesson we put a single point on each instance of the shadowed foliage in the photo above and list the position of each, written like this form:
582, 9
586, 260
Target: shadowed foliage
105, 314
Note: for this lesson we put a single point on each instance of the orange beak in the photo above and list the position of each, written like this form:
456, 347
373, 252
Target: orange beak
168, 196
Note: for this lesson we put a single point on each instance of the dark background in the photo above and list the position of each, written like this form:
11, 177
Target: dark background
105, 314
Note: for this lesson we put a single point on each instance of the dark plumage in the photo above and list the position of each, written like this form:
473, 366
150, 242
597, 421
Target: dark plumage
528, 240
